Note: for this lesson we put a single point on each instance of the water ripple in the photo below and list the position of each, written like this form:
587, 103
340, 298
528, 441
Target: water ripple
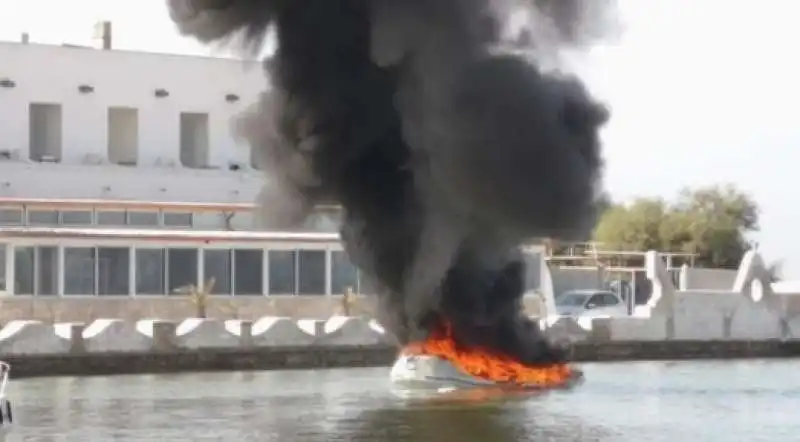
655, 402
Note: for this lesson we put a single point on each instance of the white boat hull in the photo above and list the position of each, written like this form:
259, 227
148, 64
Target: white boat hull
430, 374
425, 372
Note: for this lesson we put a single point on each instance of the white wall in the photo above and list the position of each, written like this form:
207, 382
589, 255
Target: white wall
52, 74
750, 310
127, 183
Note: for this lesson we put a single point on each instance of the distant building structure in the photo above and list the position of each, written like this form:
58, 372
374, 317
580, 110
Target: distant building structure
94, 138
81, 122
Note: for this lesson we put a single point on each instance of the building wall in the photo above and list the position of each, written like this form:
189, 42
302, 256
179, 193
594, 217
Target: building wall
706, 279
105, 124
32, 180
82, 121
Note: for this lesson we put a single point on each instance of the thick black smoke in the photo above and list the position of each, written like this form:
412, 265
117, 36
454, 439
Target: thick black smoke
440, 137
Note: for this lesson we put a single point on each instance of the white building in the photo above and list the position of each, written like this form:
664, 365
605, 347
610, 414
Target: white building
94, 137
100, 138
81, 122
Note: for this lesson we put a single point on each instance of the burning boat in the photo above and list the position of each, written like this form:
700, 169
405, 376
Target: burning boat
445, 151
439, 364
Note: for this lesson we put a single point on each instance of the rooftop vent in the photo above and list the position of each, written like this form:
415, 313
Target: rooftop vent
103, 35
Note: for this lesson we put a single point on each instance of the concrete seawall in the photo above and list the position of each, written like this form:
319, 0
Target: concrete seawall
108, 346
750, 320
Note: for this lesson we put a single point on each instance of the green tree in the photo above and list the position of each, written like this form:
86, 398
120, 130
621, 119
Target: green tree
721, 218
635, 226
711, 222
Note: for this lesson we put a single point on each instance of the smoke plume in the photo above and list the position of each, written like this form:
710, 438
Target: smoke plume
445, 143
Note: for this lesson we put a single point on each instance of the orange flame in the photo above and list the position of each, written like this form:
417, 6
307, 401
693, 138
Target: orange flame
488, 365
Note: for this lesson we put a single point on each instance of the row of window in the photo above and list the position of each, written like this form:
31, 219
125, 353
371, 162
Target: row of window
123, 134
115, 218
14, 216
122, 271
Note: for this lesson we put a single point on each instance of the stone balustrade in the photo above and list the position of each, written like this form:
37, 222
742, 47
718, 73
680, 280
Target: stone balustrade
113, 336
112, 346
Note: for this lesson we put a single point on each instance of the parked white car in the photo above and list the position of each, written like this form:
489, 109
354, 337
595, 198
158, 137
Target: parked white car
590, 303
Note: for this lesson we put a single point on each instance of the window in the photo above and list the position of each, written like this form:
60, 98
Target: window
47, 270
35, 270
248, 272
174, 219
311, 272
217, 265
79, 270
112, 218
45, 132
206, 221
181, 269
76, 217
10, 216
282, 272
609, 299
24, 270
143, 219
603, 300
595, 300
239, 221
43, 217
194, 143
150, 271
113, 271
123, 135
343, 273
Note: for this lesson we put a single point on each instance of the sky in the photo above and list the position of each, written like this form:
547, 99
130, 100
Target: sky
702, 92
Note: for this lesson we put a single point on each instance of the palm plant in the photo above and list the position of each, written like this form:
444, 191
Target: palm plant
199, 295
348, 301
